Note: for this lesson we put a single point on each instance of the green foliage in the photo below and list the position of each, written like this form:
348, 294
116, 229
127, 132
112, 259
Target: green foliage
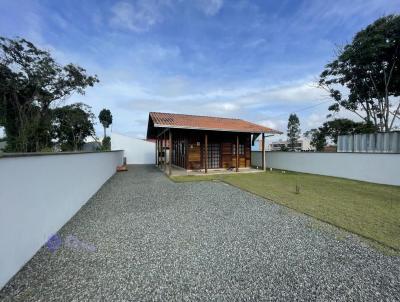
317, 137
72, 124
106, 144
293, 130
284, 148
337, 127
332, 129
105, 118
30, 82
369, 69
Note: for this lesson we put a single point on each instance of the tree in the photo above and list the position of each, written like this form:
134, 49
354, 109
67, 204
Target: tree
106, 144
105, 118
30, 83
72, 124
293, 131
332, 129
365, 77
284, 148
336, 127
317, 138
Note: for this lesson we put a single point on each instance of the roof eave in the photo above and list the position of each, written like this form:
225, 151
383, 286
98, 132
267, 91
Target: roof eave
216, 129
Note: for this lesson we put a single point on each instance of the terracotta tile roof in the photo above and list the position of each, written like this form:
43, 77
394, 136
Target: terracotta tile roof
185, 121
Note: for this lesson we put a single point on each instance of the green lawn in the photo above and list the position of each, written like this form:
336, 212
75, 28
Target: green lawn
370, 210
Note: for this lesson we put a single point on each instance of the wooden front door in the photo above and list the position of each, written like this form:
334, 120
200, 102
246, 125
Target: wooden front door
214, 156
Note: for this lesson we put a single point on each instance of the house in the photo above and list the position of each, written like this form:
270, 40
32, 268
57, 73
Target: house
203, 142
303, 144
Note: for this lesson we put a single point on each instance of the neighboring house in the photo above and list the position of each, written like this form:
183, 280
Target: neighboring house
303, 144
204, 142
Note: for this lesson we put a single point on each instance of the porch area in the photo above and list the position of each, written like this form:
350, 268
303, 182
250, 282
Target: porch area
178, 171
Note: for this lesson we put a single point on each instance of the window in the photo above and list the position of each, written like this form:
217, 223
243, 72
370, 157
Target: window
241, 149
213, 156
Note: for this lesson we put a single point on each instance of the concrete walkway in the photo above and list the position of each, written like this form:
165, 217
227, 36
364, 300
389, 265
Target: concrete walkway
143, 237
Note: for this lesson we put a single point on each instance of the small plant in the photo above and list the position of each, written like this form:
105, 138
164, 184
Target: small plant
297, 189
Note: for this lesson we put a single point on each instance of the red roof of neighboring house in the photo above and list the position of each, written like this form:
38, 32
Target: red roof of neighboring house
185, 121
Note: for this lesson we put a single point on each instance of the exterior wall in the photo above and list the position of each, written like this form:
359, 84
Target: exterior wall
373, 167
194, 156
137, 151
388, 142
39, 194
227, 144
256, 159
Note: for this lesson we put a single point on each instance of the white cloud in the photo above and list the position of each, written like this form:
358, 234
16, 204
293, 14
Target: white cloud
257, 43
274, 124
210, 7
153, 52
315, 120
138, 17
141, 15
224, 107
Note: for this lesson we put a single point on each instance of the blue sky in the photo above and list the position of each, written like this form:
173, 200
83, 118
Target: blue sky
256, 60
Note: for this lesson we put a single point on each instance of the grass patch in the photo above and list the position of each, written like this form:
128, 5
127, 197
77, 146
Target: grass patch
370, 210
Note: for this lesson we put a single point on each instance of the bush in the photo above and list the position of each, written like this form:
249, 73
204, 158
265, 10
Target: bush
106, 144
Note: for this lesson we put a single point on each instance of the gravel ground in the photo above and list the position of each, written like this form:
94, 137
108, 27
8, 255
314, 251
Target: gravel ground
158, 240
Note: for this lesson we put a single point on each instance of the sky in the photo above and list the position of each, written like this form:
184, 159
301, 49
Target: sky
255, 60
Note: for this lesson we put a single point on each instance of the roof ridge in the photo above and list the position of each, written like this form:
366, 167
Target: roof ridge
196, 115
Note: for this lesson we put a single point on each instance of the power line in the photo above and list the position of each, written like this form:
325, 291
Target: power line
301, 109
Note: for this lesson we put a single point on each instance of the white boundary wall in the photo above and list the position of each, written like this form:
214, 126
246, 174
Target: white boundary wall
39, 194
372, 167
137, 151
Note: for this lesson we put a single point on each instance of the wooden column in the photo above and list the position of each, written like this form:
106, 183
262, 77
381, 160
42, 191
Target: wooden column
205, 152
170, 153
156, 151
237, 153
159, 151
165, 153
263, 151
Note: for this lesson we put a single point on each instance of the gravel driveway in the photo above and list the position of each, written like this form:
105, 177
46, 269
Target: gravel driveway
142, 237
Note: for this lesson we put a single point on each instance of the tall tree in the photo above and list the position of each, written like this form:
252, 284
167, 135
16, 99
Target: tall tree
365, 77
105, 118
336, 127
317, 138
332, 129
293, 131
72, 124
30, 83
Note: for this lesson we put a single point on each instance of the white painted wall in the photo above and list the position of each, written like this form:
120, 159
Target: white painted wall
39, 194
371, 167
137, 151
